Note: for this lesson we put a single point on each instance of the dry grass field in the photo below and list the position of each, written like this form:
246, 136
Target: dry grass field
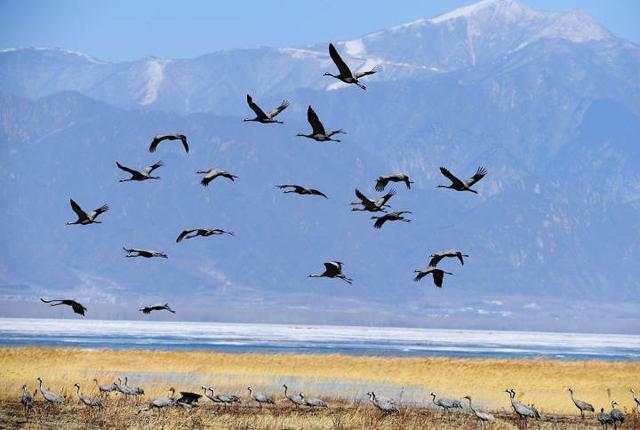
341, 380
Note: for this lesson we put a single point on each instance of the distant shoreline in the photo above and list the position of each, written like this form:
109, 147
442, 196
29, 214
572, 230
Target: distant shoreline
310, 339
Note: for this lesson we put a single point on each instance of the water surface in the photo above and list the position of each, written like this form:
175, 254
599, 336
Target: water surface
352, 340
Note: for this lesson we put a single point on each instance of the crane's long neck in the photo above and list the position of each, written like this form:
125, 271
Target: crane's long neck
471, 407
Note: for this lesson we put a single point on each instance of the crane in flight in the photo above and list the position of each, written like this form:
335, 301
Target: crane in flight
318, 132
261, 116
345, 74
460, 185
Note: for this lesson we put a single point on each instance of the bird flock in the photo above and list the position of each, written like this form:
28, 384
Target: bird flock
523, 412
332, 269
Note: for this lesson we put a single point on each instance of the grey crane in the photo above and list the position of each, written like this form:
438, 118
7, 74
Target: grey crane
48, 395
382, 181
92, 402
226, 399
536, 414
299, 189
161, 137
313, 403
436, 257
345, 75
145, 253
318, 132
295, 400
580, 404
366, 204
605, 419
636, 399
261, 398
460, 185
86, 218
149, 309
617, 415
520, 409
386, 406
391, 216
445, 404
105, 388
27, 399
438, 275
77, 307
126, 389
483, 417
204, 232
139, 175
261, 116
211, 174
332, 269
162, 402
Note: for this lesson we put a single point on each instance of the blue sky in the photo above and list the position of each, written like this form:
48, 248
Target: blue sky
120, 30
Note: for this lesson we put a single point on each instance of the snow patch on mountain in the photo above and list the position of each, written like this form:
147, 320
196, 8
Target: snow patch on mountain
155, 77
355, 47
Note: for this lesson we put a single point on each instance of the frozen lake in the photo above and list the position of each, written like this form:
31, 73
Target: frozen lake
315, 339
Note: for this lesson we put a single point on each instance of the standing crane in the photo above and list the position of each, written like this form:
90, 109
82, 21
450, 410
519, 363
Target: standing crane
139, 175
77, 307
313, 403
261, 398
580, 404
27, 399
48, 395
382, 181
148, 309
392, 216
520, 409
161, 137
345, 75
211, 174
204, 232
299, 189
604, 418
92, 402
86, 218
635, 399
483, 417
438, 275
386, 407
332, 269
445, 404
261, 116
295, 400
318, 132
126, 389
133, 253
366, 204
460, 185
106, 388
226, 399
617, 415
162, 402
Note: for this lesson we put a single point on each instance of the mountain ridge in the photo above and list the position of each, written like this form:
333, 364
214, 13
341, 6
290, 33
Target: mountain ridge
553, 233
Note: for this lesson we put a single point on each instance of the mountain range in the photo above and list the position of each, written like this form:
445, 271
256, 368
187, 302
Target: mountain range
548, 102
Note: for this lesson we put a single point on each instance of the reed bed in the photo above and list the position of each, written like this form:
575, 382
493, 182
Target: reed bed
339, 379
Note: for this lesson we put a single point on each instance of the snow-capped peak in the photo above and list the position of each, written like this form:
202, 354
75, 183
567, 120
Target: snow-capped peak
506, 7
